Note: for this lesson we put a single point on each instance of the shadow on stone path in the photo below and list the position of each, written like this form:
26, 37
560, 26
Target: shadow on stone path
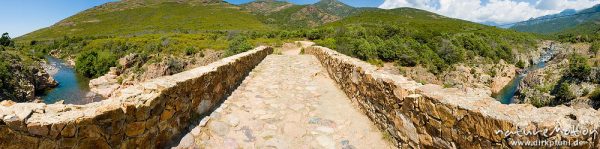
287, 101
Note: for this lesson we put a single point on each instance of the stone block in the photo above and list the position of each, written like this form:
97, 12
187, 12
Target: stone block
38, 129
167, 114
135, 129
48, 144
89, 131
69, 130
55, 129
94, 142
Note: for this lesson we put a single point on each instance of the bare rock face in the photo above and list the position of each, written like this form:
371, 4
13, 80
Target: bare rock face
504, 74
105, 85
44, 80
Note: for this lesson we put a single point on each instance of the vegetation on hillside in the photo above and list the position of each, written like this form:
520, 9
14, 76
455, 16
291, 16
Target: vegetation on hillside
286, 16
19, 77
414, 37
6, 41
161, 18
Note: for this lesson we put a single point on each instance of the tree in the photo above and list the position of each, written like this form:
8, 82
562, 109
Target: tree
5, 40
564, 94
595, 47
521, 64
94, 64
579, 69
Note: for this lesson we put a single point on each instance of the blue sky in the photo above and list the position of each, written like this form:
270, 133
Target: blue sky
24, 16
496, 11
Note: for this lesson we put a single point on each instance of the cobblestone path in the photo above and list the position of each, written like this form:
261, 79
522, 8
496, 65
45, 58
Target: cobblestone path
287, 101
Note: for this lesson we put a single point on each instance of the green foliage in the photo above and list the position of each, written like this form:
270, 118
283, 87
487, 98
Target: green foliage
5, 73
238, 44
538, 102
94, 64
563, 93
595, 47
16, 66
595, 95
327, 42
5, 40
190, 51
413, 37
300, 16
520, 64
579, 69
166, 17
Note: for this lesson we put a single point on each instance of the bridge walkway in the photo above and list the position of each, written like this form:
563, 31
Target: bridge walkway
287, 101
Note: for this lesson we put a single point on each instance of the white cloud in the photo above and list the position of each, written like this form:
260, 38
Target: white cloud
498, 11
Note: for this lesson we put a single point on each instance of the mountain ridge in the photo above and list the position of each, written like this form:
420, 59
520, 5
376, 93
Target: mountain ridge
567, 21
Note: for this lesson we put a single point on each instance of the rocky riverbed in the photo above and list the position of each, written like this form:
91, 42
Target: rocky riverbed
478, 76
538, 86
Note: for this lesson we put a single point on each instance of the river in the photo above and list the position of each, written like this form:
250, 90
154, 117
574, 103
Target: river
72, 87
507, 94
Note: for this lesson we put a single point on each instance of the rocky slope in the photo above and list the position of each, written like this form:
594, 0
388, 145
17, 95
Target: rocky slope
538, 86
21, 79
485, 78
286, 15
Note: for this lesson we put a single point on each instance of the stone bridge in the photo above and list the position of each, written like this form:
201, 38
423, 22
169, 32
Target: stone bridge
318, 99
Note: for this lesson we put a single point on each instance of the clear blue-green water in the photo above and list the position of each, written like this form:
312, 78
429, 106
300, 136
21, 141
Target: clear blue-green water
72, 87
507, 94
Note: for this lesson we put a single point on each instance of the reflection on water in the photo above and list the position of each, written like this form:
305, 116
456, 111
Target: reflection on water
507, 94
72, 87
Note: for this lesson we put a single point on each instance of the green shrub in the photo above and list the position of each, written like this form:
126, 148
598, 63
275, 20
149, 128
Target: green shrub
595, 95
578, 69
564, 94
537, 102
520, 64
94, 64
4, 73
190, 51
238, 44
6, 41
595, 47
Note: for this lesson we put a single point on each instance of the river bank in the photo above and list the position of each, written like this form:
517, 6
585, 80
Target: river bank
72, 88
508, 94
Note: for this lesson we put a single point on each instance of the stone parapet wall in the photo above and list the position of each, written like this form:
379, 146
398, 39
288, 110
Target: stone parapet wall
147, 115
426, 116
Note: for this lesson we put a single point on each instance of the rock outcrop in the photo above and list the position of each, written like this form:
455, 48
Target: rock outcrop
23, 80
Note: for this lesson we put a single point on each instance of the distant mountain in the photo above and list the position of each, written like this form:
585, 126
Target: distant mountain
264, 7
568, 20
136, 17
132, 17
287, 15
